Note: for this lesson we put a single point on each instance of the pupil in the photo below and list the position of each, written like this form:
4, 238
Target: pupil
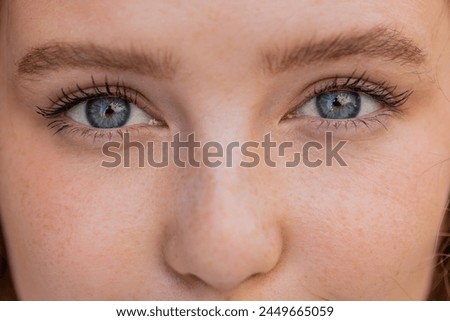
107, 112
336, 102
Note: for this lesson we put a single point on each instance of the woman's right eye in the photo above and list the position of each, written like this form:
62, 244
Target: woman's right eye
98, 109
109, 112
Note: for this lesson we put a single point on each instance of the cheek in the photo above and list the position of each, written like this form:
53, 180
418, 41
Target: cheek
368, 231
71, 223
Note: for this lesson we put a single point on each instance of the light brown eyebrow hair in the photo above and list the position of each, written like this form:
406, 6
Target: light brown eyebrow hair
60, 55
379, 42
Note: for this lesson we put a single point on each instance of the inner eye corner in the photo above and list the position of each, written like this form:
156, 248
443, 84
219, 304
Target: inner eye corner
290, 114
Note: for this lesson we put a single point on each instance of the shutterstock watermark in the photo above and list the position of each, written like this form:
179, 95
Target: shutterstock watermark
193, 153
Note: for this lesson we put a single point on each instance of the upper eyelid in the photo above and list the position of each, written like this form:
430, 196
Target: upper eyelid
384, 94
362, 84
68, 98
329, 84
106, 85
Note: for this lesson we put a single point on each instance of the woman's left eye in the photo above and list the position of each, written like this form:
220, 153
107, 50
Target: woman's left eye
108, 112
339, 104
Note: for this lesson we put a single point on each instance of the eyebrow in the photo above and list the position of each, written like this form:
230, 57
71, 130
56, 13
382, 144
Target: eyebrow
59, 55
379, 42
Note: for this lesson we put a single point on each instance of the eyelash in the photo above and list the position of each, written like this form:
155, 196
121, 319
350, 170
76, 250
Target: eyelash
68, 100
65, 101
383, 92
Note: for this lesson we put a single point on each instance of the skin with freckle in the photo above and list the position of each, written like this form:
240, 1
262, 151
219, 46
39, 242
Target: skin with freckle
366, 231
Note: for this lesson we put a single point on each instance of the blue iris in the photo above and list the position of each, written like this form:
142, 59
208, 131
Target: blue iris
107, 112
338, 104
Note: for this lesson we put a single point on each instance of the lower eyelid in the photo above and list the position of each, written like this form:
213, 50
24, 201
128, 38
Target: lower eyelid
369, 125
96, 137
62, 124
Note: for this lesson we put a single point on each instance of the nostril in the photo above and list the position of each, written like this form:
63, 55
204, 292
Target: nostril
188, 280
193, 281
222, 282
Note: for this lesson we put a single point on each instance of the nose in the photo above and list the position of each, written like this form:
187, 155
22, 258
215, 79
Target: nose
224, 232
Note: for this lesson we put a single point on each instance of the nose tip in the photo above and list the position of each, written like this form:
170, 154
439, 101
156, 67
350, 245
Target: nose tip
222, 265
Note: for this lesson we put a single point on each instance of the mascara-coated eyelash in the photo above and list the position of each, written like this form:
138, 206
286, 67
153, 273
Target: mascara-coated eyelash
65, 101
100, 107
382, 92
339, 100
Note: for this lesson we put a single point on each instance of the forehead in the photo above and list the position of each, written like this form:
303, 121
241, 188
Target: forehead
218, 23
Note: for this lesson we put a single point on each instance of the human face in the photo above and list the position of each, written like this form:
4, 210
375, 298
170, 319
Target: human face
366, 231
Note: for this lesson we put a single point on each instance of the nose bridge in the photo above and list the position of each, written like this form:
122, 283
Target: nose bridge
221, 234
226, 204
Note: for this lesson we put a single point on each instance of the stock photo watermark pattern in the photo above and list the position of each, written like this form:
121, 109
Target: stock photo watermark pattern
212, 154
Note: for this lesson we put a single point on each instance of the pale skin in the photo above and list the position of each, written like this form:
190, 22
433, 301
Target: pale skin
367, 231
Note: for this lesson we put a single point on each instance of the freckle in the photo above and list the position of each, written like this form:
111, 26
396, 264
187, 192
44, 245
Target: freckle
360, 232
